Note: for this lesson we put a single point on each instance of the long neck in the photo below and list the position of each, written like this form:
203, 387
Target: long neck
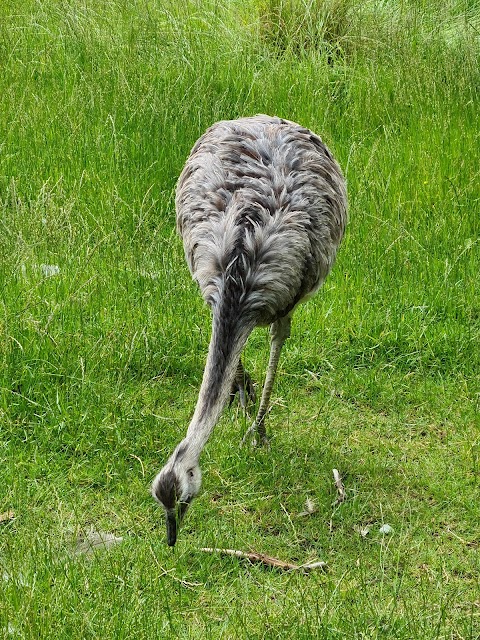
229, 336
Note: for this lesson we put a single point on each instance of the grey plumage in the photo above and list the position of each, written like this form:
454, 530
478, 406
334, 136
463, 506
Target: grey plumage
261, 208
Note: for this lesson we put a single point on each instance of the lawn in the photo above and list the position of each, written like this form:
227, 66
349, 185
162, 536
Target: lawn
103, 335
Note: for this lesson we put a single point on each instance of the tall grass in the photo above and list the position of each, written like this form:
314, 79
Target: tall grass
103, 335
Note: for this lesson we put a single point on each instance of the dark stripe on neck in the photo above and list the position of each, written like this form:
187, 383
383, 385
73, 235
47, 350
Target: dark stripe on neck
228, 325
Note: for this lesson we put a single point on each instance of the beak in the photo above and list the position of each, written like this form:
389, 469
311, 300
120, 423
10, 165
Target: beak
171, 528
174, 518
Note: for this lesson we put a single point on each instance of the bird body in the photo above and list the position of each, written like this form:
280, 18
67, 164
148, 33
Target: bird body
261, 209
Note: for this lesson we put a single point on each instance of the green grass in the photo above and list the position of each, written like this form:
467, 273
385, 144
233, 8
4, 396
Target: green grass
100, 103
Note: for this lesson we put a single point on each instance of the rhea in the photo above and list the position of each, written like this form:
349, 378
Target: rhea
261, 208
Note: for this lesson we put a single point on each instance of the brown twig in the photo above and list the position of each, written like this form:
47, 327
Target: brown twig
341, 495
253, 556
141, 463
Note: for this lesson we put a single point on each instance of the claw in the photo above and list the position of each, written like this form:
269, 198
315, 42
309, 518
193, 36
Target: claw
259, 437
244, 387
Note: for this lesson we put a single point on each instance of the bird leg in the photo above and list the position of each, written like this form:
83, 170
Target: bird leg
279, 332
242, 385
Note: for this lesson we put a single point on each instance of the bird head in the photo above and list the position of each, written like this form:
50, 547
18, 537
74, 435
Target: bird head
174, 488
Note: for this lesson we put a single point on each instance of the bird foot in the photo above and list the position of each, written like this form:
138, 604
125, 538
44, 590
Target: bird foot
245, 389
259, 437
261, 441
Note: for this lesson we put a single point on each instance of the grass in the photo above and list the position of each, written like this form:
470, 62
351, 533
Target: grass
101, 356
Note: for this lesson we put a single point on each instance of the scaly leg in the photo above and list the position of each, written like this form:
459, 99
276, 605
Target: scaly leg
242, 385
279, 332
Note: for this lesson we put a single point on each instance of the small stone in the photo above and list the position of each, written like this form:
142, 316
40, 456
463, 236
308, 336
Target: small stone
386, 529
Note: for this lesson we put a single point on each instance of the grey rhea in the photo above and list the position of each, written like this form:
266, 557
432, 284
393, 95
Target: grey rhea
261, 208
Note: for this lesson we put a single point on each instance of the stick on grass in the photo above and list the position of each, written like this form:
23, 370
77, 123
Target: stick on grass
269, 561
341, 495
